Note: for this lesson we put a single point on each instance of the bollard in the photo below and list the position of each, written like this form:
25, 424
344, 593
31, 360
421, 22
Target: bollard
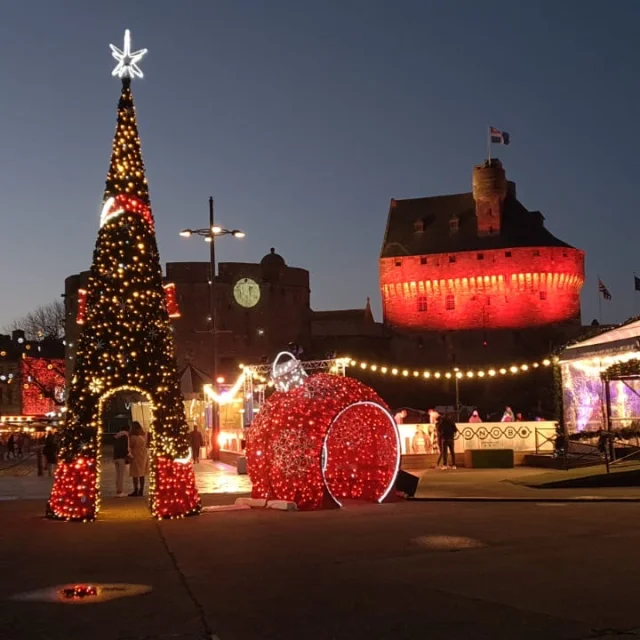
39, 460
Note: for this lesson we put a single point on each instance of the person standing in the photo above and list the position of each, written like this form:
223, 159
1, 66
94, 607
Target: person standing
121, 458
139, 459
439, 464
11, 447
195, 438
50, 452
508, 416
475, 416
449, 430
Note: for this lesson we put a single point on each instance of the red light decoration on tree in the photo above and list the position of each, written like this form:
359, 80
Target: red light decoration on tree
74, 495
172, 300
328, 439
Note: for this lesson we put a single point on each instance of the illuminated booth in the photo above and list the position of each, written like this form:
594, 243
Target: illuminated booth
601, 380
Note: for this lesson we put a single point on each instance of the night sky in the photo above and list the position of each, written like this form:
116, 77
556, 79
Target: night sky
304, 118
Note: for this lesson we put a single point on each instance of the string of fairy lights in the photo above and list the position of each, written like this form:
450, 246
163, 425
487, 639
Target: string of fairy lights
455, 372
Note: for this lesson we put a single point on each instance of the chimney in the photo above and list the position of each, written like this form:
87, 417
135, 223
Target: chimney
489, 192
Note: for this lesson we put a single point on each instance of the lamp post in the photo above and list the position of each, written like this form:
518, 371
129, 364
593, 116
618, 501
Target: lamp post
210, 234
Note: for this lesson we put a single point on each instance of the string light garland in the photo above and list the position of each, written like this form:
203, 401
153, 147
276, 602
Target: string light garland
458, 372
324, 440
126, 344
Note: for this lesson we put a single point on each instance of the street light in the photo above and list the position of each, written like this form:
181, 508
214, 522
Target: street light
209, 234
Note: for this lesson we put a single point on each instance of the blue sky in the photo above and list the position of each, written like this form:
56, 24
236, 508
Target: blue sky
303, 118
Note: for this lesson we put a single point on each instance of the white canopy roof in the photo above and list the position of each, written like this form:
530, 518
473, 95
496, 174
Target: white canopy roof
624, 338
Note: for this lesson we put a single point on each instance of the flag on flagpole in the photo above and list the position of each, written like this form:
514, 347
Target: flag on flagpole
603, 290
636, 282
498, 137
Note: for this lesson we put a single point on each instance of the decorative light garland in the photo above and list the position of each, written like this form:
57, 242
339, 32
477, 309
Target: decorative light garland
457, 372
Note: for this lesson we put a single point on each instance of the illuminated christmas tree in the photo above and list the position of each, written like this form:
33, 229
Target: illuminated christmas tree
127, 343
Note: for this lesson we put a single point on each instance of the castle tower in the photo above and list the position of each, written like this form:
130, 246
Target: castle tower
489, 193
477, 260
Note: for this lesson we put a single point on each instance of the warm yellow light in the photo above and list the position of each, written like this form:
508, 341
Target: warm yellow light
480, 374
513, 369
384, 370
185, 233
426, 374
353, 363
546, 362
405, 373
363, 365
437, 374
416, 373
374, 367
469, 374
448, 374
525, 367
492, 372
535, 365
458, 374
503, 371
216, 229
394, 372
208, 239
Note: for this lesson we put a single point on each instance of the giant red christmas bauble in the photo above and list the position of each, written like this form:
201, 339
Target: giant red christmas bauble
328, 439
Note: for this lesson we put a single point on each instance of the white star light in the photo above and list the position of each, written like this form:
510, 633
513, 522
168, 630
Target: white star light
127, 66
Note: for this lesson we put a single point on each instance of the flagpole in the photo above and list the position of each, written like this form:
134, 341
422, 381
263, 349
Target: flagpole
635, 295
599, 301
489, 143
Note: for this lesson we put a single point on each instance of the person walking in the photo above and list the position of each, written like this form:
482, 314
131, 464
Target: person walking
439, 464
50, 452
11, 447
449, 430
139, 459
195, 438
121, 458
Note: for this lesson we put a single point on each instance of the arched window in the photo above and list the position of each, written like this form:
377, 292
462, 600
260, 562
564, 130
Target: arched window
422, 303
450, 302
454, 224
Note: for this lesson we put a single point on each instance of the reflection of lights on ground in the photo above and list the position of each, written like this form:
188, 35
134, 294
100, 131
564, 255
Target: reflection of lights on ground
220, 478
448, 543
84, 593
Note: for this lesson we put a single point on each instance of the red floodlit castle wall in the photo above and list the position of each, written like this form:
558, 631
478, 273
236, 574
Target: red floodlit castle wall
495, 289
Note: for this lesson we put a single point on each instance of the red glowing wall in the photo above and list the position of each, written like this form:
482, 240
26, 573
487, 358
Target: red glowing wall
42, 382
496, 289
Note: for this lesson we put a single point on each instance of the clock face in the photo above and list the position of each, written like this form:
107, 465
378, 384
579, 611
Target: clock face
247, 292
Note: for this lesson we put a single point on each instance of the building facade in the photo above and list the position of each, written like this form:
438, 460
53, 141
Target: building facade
476, 261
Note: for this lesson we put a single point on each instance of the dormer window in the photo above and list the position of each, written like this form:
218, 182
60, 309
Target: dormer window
418, 226
454, 224
423, 259
398, 262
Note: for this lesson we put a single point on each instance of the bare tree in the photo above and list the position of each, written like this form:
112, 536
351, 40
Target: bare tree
47, 321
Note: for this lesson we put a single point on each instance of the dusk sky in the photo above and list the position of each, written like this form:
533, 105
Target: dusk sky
304, 118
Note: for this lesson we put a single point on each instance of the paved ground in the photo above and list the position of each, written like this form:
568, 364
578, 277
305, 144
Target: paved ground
21, 482
506, 484
403, 570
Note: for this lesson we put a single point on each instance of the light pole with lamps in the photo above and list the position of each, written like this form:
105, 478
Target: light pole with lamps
209, 234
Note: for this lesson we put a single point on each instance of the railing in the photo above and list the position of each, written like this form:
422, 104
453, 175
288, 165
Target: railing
541, 439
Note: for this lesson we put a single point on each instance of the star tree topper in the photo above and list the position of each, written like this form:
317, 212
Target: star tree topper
127, 66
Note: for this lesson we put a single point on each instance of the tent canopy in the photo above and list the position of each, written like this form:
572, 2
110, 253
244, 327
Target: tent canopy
621, 339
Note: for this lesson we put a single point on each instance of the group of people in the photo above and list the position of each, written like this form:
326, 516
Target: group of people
130, 448
16, 445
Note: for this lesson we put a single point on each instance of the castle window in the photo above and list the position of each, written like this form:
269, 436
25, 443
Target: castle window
422, 303
480, 256
488, 301
418, 226
507, 254
536, 253
398, 262
452, 258
543, 295
564, 254
454, 224
450, 302
423, 260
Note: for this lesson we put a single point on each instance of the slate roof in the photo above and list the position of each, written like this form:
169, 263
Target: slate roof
520, 227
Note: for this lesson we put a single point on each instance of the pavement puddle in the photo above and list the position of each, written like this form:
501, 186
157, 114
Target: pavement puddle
448, 543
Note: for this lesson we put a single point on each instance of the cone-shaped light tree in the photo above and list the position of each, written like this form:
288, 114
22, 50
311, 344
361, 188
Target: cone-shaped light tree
126, 343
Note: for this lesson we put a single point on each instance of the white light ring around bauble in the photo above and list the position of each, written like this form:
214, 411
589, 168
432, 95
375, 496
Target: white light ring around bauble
396, 433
